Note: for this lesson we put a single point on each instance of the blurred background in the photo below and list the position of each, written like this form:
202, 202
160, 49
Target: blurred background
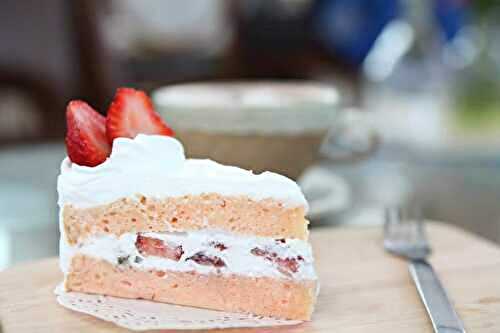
409, 113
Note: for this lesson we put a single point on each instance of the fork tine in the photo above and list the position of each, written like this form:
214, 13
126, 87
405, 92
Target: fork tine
390, 220
390, 214
422, 235
414, 226
393, 221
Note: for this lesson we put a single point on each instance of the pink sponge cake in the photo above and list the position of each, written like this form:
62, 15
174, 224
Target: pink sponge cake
139, 220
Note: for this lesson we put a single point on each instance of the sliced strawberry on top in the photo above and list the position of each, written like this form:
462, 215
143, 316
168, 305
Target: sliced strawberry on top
132, 113
86, 141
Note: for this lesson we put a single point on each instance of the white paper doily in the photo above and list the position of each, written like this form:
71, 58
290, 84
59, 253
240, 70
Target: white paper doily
141, 315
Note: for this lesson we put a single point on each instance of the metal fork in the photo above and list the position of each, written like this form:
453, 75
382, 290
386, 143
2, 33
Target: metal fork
404, 235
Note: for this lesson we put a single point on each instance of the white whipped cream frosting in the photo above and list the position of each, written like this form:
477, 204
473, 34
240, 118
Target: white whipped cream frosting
237, 256
155, 166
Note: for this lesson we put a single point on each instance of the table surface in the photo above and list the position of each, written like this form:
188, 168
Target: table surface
363, 289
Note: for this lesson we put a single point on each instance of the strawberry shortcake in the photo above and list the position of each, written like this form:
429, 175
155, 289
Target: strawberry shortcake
140, 220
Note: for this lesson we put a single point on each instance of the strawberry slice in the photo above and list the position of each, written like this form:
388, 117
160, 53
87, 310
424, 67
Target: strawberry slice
86, 141
202, 259
132, 113
149, 246
286, 266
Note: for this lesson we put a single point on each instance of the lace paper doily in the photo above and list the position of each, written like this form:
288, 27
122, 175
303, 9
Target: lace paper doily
141, 315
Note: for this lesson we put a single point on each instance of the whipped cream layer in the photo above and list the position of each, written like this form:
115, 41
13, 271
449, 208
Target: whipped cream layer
237, 254
155, 166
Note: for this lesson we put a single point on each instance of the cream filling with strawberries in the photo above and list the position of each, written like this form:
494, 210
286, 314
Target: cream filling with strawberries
203, 251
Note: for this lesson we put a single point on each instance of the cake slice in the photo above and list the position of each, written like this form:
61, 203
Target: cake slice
147, 223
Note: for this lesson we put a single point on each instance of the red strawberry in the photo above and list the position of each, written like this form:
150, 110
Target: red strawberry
202, 259
86, 140
148, 246
285, 265
132, 113
288, 265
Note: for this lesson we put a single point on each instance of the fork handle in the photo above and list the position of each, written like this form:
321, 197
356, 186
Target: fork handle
444, 318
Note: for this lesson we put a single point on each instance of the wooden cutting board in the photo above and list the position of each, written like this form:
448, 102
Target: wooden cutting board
363, 289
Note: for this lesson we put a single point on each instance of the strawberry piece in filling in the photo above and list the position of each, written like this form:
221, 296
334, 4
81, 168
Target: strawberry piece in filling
149, 246
218, 246
202, 259
286, 266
